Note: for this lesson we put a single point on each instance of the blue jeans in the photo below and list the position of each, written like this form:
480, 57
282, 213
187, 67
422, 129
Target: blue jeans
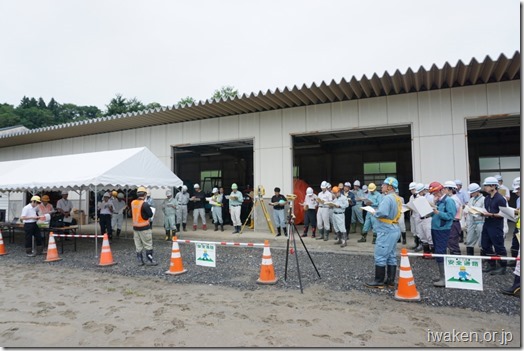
440, 242
385, 248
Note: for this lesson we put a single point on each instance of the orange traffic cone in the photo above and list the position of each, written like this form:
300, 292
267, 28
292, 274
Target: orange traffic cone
267, 272
2, 247
406, 289
106, 257
176, 266
52, 252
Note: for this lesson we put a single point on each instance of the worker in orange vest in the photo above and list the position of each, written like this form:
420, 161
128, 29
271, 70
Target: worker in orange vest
142, 231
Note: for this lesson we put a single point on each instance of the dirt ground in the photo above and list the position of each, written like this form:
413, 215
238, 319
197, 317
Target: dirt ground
59, 307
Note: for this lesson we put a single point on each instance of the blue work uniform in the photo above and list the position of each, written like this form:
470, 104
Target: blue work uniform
441, 225
388, 232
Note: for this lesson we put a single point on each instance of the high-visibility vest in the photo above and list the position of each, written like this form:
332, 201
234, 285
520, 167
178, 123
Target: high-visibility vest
136, 210
399, 213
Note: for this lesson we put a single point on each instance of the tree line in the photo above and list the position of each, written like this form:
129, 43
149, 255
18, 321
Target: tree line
36, 113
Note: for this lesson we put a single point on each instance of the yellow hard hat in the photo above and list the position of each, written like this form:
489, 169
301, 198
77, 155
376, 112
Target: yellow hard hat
36, 198
114, 193
372, 187
45, 198
141, 189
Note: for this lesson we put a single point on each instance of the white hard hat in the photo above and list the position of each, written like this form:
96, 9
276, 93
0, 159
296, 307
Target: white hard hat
458, 181
324, 184
328, 185
365, 187
426, 186
309, 191
120, 196
215, 190
498, 177
412, 186
450, 184
516, 184
106, 194
347, 184
473, 188
184, 188
356, 183
65, 192
491, 181
196, 186
419, 187
169, 193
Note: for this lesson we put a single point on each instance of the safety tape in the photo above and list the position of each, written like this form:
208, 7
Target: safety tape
78, 236
223, 243
494, 258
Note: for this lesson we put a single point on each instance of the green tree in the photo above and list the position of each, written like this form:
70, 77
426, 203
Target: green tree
34, 117
188, 100
226, 92
8, 116
120, 105
41, 103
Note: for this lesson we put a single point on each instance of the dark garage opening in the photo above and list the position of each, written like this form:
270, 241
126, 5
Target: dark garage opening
367, 155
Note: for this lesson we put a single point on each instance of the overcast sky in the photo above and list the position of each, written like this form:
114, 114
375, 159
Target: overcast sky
86, 52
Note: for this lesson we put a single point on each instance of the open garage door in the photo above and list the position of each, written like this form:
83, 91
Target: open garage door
368, 155
217, 165
494, 148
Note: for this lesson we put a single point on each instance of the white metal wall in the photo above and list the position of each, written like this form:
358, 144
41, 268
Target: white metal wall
437, 118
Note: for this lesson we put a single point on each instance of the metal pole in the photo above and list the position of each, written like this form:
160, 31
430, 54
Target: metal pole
96, 222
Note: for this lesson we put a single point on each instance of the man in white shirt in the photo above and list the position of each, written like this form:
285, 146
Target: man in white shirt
119, 206
29, 217
65, 206
323, 211
106, 210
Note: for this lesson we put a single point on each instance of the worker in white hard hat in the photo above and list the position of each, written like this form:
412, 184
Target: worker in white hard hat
357, 216
412, 218
310, 205
492, 238
169, 210
474, 220
65, 208
142, 229
461, 192
181, 201
119, 206
235, 205
346, 191
106, 210
30, 216
503, 190
216, 209
423, 224
199, 202
323, 198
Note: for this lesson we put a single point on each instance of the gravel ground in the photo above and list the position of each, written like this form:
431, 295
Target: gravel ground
239, 267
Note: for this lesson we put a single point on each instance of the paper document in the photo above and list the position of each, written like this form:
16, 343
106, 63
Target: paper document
405, 208
329, 203
369, 209
477, 210
422, 206
508, 213
154, 210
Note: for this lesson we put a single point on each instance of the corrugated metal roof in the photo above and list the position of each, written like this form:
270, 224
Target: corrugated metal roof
487, 71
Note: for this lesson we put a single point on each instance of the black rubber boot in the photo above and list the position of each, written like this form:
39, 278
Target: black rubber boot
178, 227
380, 275
515, 288
417, 243
338, 238
29, 252
167, 235
314, 234
441, 282
344, 240
470, 251
279, 232
501, 270
216, 227
326, 236
140, 258
118, 231
392, 273
184, 226
321, 236
221, 227
363, 239
403, 238
285, 231
150, 261
426, 249
305, 232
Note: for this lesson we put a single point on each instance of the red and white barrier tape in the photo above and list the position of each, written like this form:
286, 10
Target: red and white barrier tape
78, 236
495, 258
223, 243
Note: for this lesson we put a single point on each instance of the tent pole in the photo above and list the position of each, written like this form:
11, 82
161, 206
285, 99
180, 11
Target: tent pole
96, 222
80, 211
125, 215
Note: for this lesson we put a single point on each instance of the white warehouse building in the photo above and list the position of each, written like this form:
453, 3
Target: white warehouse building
458, 121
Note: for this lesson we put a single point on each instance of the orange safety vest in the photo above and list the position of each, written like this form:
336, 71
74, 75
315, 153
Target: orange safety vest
399, 213
136, 210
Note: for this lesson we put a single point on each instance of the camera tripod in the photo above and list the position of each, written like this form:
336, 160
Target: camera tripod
292, 230
259, 200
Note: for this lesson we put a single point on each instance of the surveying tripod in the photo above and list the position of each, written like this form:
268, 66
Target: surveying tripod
292, 230
259, 200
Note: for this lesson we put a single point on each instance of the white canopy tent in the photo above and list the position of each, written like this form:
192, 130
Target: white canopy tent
118, 169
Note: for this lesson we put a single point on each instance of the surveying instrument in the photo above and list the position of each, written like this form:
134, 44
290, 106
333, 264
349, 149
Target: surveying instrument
259, 200
292, 230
